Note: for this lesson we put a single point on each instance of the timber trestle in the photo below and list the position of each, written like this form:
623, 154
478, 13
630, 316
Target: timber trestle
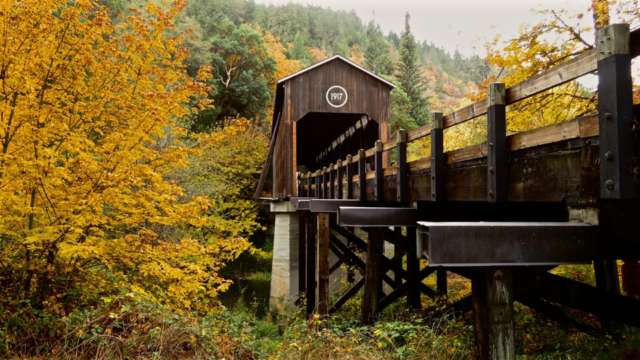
502, 213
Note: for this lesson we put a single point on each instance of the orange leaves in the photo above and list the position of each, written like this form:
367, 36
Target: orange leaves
88, 138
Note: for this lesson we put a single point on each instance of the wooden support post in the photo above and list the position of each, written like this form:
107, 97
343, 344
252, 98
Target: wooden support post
441, 281
350, 174
332, 184
362, 180
607, 279
339, 173
402, 177
497, 144
615, 108
318, 185
413, 270
309, 176
311, 264
379, 173
323, 264
437, 157
373, 277
325, 183
492, 294
302, 251
402, 187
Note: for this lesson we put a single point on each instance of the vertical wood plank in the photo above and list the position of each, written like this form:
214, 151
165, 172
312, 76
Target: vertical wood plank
332, 184
379, 173
492, 295
373, 277
302, 252
309, 176
402, 177
350, 174
362, 181
323, 264
413, 269
437, 157
615, 109
311, 265
497, 149
441, 281
325, 183
339, 172
318, 185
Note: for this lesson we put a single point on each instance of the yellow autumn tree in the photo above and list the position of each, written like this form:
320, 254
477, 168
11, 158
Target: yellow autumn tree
284, 67
557, 38
84, 191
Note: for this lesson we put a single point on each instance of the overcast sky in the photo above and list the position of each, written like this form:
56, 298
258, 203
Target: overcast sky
461, 24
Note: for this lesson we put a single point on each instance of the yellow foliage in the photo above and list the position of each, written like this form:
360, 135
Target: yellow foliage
84, 195
285, 66
357, 55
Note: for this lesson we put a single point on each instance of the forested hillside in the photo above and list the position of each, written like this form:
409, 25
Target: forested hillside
245, 36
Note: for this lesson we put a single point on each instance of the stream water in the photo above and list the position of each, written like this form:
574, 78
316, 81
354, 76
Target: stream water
249, 295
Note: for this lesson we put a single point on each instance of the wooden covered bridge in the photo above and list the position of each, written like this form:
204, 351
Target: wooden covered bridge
502, 213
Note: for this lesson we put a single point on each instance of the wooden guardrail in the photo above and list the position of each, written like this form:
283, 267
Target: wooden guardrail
583, 127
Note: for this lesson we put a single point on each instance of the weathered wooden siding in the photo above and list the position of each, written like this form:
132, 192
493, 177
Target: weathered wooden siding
306, 93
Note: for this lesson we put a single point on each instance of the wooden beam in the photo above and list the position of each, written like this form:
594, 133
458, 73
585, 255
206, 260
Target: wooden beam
373, 278
580, 296
267, 161
362, 168
347, 296
492, 294
379, 173
441, 281
615, 107
350, 175
339, 176
437, 157
311, 265
323, 264
302, 251
497, 140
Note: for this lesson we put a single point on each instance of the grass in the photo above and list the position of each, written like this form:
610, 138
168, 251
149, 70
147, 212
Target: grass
132, 328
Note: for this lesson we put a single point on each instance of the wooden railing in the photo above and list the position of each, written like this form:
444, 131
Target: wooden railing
583, 127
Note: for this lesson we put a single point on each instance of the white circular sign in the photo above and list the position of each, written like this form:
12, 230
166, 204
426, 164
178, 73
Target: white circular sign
337, 96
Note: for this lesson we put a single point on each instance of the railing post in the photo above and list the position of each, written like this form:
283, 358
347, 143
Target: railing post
318, 185
497, 144
615, 108
350, 174
299, 184
339, 173
402, 187
437, 157
332, 185
438, 181
379, 173
325, 183
362, 179
309, 184
402, 177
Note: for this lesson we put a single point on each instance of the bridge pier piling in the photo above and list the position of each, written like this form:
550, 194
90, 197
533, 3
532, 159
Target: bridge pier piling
492, 296
285, 265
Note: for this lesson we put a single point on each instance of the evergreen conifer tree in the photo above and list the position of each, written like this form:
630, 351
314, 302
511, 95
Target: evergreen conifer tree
376, 52
411, 77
